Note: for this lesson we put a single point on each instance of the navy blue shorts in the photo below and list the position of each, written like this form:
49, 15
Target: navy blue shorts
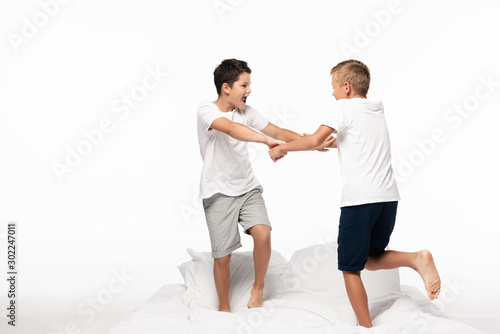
364, 231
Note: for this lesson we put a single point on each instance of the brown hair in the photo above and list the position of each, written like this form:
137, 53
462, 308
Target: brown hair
354, 72
228, 72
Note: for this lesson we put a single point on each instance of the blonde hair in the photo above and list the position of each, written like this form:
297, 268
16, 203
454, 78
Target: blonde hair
354, 72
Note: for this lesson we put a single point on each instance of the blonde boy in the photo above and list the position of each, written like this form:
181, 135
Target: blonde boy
369, 195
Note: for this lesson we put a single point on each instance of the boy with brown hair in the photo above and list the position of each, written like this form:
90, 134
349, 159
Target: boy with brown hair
231, 193
369, 195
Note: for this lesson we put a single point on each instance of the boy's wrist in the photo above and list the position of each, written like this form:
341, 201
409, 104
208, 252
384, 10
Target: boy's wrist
281, 148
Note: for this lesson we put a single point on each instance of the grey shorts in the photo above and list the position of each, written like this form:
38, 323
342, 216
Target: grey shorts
223, 213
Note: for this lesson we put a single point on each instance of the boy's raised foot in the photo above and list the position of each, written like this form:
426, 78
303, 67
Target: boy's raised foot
255, 297
424, 264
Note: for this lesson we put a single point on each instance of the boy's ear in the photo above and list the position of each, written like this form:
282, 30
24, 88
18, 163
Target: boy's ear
347, 88
225, 88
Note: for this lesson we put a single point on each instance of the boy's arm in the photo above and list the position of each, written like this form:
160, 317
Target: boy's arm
242, 132
280, 133
304, 144
288, 136
330, 142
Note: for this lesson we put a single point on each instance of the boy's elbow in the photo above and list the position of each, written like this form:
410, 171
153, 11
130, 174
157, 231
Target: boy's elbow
229, 129
234, 130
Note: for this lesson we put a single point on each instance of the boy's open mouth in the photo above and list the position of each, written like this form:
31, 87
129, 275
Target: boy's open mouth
244, 99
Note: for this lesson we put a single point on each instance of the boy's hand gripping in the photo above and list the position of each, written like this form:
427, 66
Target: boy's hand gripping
329, 142
274, 143
275, 153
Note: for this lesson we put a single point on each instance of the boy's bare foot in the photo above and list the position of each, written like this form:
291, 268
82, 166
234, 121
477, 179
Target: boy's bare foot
255, 297
424, 265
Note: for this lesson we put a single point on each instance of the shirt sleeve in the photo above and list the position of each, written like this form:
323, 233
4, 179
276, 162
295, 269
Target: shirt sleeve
256, 120
206, 115
336, 118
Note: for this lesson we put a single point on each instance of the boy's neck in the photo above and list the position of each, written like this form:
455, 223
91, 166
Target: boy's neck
353, 97
224, 105
356, 96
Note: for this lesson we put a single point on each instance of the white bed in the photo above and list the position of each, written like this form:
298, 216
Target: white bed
303, 295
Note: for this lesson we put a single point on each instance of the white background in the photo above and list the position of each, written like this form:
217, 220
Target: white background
131, 203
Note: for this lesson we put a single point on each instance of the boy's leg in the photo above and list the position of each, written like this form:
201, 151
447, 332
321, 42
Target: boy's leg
378, 258
422, 262
255, 221
222, 278
357, 297
354, 241
221, 213
261, 255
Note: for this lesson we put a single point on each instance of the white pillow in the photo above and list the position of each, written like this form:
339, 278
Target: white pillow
313, 282
200, 286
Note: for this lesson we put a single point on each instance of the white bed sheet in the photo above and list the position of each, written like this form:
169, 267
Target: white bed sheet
166, 312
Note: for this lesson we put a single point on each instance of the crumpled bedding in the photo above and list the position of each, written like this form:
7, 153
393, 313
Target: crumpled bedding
166, 313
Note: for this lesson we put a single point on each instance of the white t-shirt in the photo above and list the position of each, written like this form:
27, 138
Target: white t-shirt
226, 164
364, 151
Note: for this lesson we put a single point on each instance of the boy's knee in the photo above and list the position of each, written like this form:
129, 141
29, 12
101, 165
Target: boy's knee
222, 261
261, 233
351, 274
369, 265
